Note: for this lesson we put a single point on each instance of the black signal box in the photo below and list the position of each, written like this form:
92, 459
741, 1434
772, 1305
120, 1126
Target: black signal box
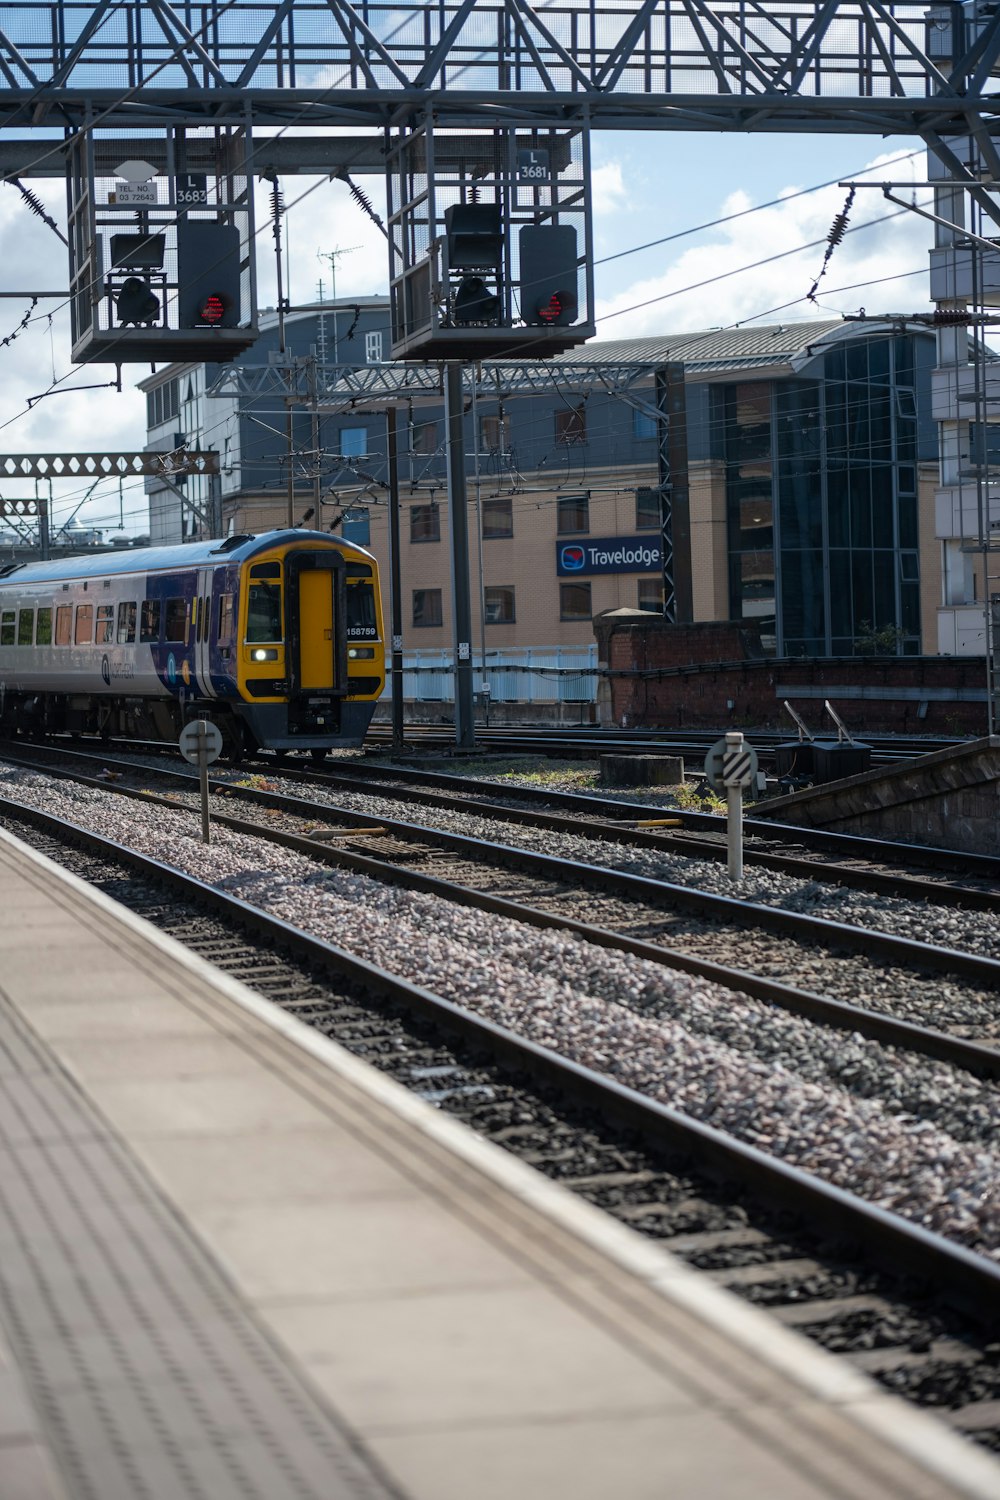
549, 275
475, 236
208, 274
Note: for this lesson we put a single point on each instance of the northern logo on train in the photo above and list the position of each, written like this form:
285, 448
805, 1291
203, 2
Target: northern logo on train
171, 670
106, 670
573, 558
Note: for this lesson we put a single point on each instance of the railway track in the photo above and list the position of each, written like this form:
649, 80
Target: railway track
680, 927
941, 875
588, 741
915, 1310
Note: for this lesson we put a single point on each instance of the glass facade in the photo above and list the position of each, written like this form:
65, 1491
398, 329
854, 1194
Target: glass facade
821, 476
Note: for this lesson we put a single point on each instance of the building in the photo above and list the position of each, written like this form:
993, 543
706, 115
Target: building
812, 469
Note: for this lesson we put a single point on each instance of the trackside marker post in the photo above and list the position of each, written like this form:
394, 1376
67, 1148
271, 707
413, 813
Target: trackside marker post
731, 764
200, 744
732, 767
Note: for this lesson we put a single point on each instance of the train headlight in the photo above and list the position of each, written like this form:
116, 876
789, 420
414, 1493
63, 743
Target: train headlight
264, 653
361, 653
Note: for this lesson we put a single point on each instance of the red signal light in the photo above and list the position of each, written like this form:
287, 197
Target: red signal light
212, 310
551, 311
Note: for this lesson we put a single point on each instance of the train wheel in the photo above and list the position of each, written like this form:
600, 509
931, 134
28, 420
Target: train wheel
280, 755
235, 747
319, 754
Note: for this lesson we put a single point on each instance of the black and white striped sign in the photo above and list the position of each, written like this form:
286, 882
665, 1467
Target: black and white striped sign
737, 767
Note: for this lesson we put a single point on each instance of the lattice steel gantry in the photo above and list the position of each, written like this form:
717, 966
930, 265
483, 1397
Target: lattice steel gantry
861, 66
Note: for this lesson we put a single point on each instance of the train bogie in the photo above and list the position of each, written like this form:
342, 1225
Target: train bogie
276, 638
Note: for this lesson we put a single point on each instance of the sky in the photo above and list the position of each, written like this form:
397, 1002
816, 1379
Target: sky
646, 187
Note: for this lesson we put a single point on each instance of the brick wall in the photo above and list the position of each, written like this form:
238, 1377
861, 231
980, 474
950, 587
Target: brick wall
713, 676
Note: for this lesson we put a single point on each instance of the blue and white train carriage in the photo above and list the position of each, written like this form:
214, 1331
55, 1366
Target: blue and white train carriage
277, 638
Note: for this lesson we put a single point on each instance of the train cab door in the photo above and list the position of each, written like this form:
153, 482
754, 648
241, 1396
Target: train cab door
203, 633
317, 622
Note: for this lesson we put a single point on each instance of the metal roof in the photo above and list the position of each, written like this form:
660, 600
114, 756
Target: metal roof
167, 558
712, 349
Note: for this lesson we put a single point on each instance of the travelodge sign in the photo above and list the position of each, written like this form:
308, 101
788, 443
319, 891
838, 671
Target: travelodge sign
608, 554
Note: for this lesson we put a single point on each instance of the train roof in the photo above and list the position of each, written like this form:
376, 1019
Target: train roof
166, 559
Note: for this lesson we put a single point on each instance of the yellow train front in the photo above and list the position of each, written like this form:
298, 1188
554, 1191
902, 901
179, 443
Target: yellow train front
311, 656
276, 638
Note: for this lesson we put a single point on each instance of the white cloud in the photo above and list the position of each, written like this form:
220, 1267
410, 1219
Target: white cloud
702, 283
608, 188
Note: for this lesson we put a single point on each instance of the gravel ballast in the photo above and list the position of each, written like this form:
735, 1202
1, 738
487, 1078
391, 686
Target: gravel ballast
914, 1136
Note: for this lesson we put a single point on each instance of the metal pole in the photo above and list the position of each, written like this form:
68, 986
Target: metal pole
206, 836
675, 521
43, 528
465, 729
734, 818
395, 580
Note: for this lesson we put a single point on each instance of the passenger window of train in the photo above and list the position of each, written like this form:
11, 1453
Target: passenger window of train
176, 620
43, 627
7, 628
126, 622
25, 626
105, 624
226, 617
149, 630
264, 613
64, 624
83, 635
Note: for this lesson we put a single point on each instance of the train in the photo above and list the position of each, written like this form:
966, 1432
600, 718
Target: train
276, 638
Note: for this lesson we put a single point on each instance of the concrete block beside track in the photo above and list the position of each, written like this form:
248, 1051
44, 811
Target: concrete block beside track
641, 770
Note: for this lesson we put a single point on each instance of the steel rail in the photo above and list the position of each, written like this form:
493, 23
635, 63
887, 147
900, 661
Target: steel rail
705, 904
618, 831
970, 1281
983, 1061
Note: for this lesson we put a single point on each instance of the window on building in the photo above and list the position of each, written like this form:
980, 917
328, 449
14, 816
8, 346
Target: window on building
64, 624
424, 437
373, 348
25, 626
105, 624
7, 627
354, 442
573, 515
494, 433
650, 595
643, 425
498, 516
425, 523
149, 628
574, 601
126, 622
647, 510
356, 526
43, 627
83, 632
162, 404
175, 620
499, 604
571, 424
427, 607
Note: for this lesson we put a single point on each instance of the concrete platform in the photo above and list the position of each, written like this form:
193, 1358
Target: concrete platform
235, 1262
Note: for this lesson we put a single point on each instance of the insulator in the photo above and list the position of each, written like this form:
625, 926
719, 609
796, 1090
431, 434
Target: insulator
837, 230
944, 317
33, 203
277, 199
361, 198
